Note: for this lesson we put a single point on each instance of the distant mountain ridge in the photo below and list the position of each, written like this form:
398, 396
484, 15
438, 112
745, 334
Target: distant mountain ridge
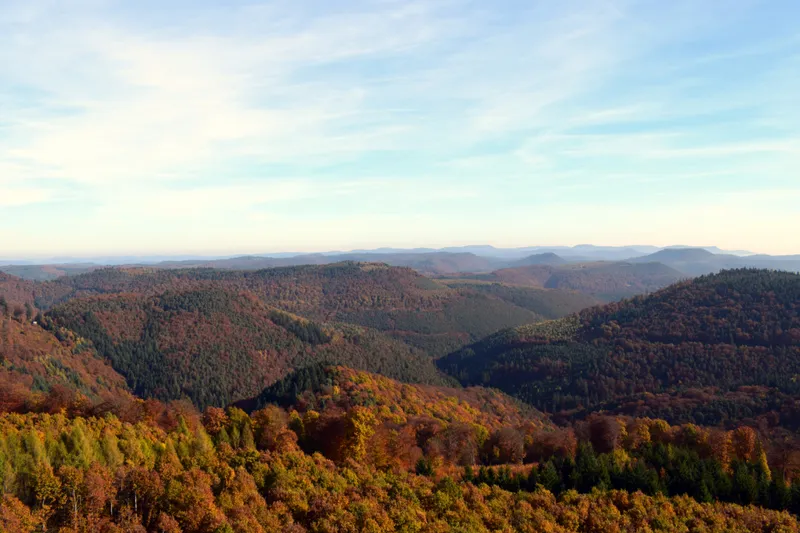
606, 281
480, 259
581, 252
699, 261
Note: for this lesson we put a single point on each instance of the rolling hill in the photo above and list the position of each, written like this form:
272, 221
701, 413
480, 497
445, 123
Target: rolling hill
604, 281
326, 447
427, 262
216, 346
399, 301
721, 335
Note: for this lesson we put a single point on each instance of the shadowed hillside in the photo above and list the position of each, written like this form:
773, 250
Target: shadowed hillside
736, 329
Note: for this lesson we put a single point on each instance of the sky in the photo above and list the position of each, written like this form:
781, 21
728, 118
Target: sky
177, 126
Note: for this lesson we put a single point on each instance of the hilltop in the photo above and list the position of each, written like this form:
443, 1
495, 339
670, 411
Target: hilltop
678, 254
548, 258
694, 261
216, 346
726, 331
321, 387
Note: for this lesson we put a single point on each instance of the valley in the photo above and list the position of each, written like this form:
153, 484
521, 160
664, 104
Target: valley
520, 383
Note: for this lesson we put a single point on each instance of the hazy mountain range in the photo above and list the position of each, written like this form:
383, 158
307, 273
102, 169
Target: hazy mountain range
478, 259
579, 252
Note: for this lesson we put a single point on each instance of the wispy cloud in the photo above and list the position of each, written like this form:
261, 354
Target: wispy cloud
257, 111
148, 107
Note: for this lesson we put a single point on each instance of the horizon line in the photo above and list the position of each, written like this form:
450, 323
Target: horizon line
210, 255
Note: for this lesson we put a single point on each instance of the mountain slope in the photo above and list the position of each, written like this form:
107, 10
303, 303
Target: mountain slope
16, 291
33, 359
217, 346
546, 303
736, 329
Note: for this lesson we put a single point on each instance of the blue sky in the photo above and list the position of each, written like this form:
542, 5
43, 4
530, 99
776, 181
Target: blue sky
247, 127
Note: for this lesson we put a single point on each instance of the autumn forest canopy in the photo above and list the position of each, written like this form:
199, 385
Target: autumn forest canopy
358, 396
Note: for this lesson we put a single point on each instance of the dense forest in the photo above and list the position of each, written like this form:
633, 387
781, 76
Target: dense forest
216, 346
728, 337
546, 303
348, 456
16, 293
135, 400
359, 452
400, 302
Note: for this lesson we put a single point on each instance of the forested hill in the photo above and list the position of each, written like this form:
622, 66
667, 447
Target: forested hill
326, 448
16, 292
606, 281
218, 345
716, 337
399, 301
322, 387
738, 307
44, 368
